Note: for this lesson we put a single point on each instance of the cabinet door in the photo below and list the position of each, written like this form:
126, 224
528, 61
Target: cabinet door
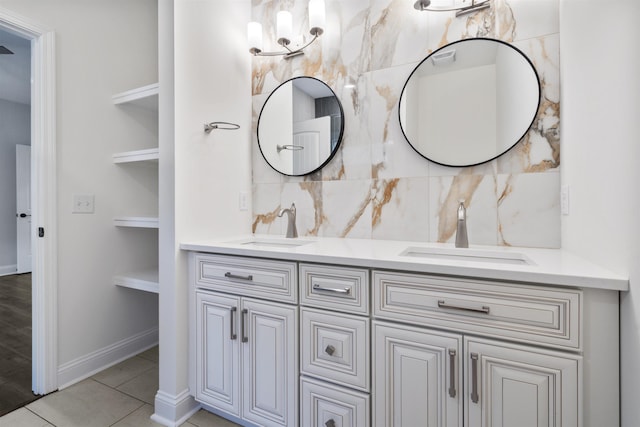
417, 377
509, 385
217, 351
270, 363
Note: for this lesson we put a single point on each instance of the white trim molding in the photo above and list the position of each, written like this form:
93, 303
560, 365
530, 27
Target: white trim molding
94, 362
6, 270
173, 411
43, 202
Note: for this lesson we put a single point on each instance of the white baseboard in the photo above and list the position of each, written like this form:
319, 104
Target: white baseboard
173, 411
6, 270
83, 367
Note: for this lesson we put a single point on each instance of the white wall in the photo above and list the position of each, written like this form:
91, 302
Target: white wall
457, 112
601, 154
102, 47
14, 129
276, 128
206, 67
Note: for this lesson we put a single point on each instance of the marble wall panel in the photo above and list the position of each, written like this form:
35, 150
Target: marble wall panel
377, 187
392, 156
347, 209
400, 209
478, 193
529, 210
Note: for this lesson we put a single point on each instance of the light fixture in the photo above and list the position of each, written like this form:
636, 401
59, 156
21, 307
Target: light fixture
284, 31
443, 58
462, 7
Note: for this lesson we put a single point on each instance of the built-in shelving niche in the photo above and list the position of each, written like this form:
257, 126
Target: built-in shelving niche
145, 97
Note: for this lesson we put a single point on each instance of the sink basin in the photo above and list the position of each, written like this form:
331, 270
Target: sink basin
468, 255
271, 243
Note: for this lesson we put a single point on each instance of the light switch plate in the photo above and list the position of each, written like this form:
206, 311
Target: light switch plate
242, 201
83, 203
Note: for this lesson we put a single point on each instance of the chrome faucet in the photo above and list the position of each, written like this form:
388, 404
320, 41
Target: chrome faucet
462, 241
292, 231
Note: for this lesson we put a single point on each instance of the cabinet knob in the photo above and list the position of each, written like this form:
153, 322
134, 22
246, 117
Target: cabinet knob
330, 350
330, 423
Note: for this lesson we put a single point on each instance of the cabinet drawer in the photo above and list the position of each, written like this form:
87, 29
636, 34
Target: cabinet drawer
531, 314
247, 276
336, 288
326, 405
335, 347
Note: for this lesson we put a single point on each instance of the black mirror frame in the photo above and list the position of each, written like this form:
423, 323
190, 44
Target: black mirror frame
340, 135
448, 45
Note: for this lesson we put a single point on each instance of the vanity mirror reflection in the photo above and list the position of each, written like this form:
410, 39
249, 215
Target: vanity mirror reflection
300, 126
469, 102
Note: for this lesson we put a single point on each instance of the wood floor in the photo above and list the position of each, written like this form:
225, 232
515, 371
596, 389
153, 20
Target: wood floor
15, 342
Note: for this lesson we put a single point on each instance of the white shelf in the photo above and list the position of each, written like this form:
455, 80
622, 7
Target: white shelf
146, 280
145, 96
136, 221
150, 155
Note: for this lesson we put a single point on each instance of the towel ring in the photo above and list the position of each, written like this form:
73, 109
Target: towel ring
279, 148
208, 127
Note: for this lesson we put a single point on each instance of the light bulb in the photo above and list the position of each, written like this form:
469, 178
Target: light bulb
316, 17
254, 36
284, 27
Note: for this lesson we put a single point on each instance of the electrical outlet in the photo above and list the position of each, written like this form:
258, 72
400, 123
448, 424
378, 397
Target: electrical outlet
242, 201
564, 200
83, 203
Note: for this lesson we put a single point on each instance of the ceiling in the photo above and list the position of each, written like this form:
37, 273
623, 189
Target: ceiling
15, 70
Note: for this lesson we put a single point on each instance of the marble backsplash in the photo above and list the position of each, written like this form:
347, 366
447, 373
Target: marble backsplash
376, 186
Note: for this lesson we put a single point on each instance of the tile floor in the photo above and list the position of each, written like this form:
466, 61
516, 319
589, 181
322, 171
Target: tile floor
121, 396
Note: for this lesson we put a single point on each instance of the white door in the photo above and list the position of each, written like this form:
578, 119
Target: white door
217, 355
510, 385
417, 378
270, 363
314, 136
23, 207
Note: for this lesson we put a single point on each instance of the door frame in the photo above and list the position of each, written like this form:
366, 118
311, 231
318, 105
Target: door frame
44, 377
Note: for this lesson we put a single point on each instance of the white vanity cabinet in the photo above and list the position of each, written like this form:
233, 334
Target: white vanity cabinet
245, 349
334, 346
335, 340
430, 378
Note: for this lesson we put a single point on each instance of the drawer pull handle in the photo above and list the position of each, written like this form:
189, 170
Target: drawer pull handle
230, 275
474, 378
452, 373
344, 291
245, 338
330, 423
330, 350
233, 333
484, 309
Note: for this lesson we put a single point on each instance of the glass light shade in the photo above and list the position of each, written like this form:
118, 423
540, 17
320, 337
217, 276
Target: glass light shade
316, 16
284, 27
254, 35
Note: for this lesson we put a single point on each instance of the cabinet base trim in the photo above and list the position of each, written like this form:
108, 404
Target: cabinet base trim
173, 411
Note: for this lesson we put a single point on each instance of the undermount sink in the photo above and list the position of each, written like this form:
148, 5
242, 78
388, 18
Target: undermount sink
271, 243
468, 255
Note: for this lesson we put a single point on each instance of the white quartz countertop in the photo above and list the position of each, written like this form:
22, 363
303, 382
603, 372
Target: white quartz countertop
543, 266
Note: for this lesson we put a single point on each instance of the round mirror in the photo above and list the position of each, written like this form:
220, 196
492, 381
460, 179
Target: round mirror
300, 126
469, 102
